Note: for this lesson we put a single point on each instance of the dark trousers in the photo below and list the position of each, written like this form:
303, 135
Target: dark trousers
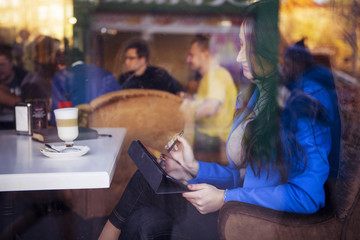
143, 214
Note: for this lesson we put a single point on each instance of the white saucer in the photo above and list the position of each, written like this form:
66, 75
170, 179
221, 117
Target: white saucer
82, 151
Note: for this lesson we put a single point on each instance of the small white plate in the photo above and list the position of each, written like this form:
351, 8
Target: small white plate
82, 151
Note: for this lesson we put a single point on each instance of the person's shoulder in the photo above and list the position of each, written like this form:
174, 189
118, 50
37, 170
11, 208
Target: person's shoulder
87, 66
158, 72
126, 75
123, 77
20, 72
311, 86
94, 70
221, 71
317, 77
61, 74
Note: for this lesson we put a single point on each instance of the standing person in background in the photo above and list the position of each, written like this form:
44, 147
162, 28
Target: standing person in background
140, 74
80, 83
278, 161
214, 101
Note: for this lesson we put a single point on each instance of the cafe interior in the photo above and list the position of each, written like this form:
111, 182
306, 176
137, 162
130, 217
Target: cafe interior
44, 197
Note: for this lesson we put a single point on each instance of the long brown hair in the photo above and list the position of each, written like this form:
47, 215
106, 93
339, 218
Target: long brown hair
270, 137
261, 141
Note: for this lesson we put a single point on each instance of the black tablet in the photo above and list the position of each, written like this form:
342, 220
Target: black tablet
159, 180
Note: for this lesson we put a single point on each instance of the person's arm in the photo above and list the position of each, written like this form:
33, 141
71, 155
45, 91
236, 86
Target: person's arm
215, 94
109, 232
203, 172
207, 108
6, 98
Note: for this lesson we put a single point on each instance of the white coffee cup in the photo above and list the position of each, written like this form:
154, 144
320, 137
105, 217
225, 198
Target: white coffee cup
67, 124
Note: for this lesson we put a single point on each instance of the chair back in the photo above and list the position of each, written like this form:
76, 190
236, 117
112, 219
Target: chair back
152, 116
348, 179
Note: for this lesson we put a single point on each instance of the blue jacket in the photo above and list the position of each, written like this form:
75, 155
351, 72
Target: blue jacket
80, 84
303, 192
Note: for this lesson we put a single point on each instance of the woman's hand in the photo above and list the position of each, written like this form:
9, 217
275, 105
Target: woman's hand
206, 198
183, 153
174, 168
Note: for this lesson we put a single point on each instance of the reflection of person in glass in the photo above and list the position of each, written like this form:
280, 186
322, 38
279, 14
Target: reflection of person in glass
301, 71
278, 161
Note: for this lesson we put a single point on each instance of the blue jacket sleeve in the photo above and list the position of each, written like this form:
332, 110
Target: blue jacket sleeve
222, 177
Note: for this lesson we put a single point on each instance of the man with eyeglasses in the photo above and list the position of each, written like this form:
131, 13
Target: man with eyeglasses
140, 74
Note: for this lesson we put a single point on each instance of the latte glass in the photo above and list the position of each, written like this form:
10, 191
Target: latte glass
67, 125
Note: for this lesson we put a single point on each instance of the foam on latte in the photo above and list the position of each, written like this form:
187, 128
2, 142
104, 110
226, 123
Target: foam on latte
73, 122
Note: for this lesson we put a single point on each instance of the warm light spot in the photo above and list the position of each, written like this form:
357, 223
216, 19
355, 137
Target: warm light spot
226, 23
16, 18
73, 20
42, 13
56, 12
112, 31
3, 3
15, 3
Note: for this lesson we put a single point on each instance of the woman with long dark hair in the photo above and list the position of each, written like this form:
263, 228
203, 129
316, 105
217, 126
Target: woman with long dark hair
277, 159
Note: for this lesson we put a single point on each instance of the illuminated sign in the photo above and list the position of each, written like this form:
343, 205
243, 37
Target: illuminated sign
221, 6
212, 3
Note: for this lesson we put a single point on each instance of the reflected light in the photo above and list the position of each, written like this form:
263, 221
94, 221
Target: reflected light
72, 20
3, 3
42, 13
56, 12
226, 23
112, 31
15, 3
53, 18
16, 18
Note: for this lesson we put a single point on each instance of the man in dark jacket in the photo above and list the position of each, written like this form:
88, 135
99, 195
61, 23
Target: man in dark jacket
139, 74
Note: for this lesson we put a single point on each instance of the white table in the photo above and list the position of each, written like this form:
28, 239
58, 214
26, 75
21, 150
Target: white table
24, 167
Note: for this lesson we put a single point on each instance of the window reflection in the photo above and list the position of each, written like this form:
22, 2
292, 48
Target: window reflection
100, 29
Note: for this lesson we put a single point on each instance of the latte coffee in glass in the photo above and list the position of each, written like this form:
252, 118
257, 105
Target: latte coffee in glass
67, 124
